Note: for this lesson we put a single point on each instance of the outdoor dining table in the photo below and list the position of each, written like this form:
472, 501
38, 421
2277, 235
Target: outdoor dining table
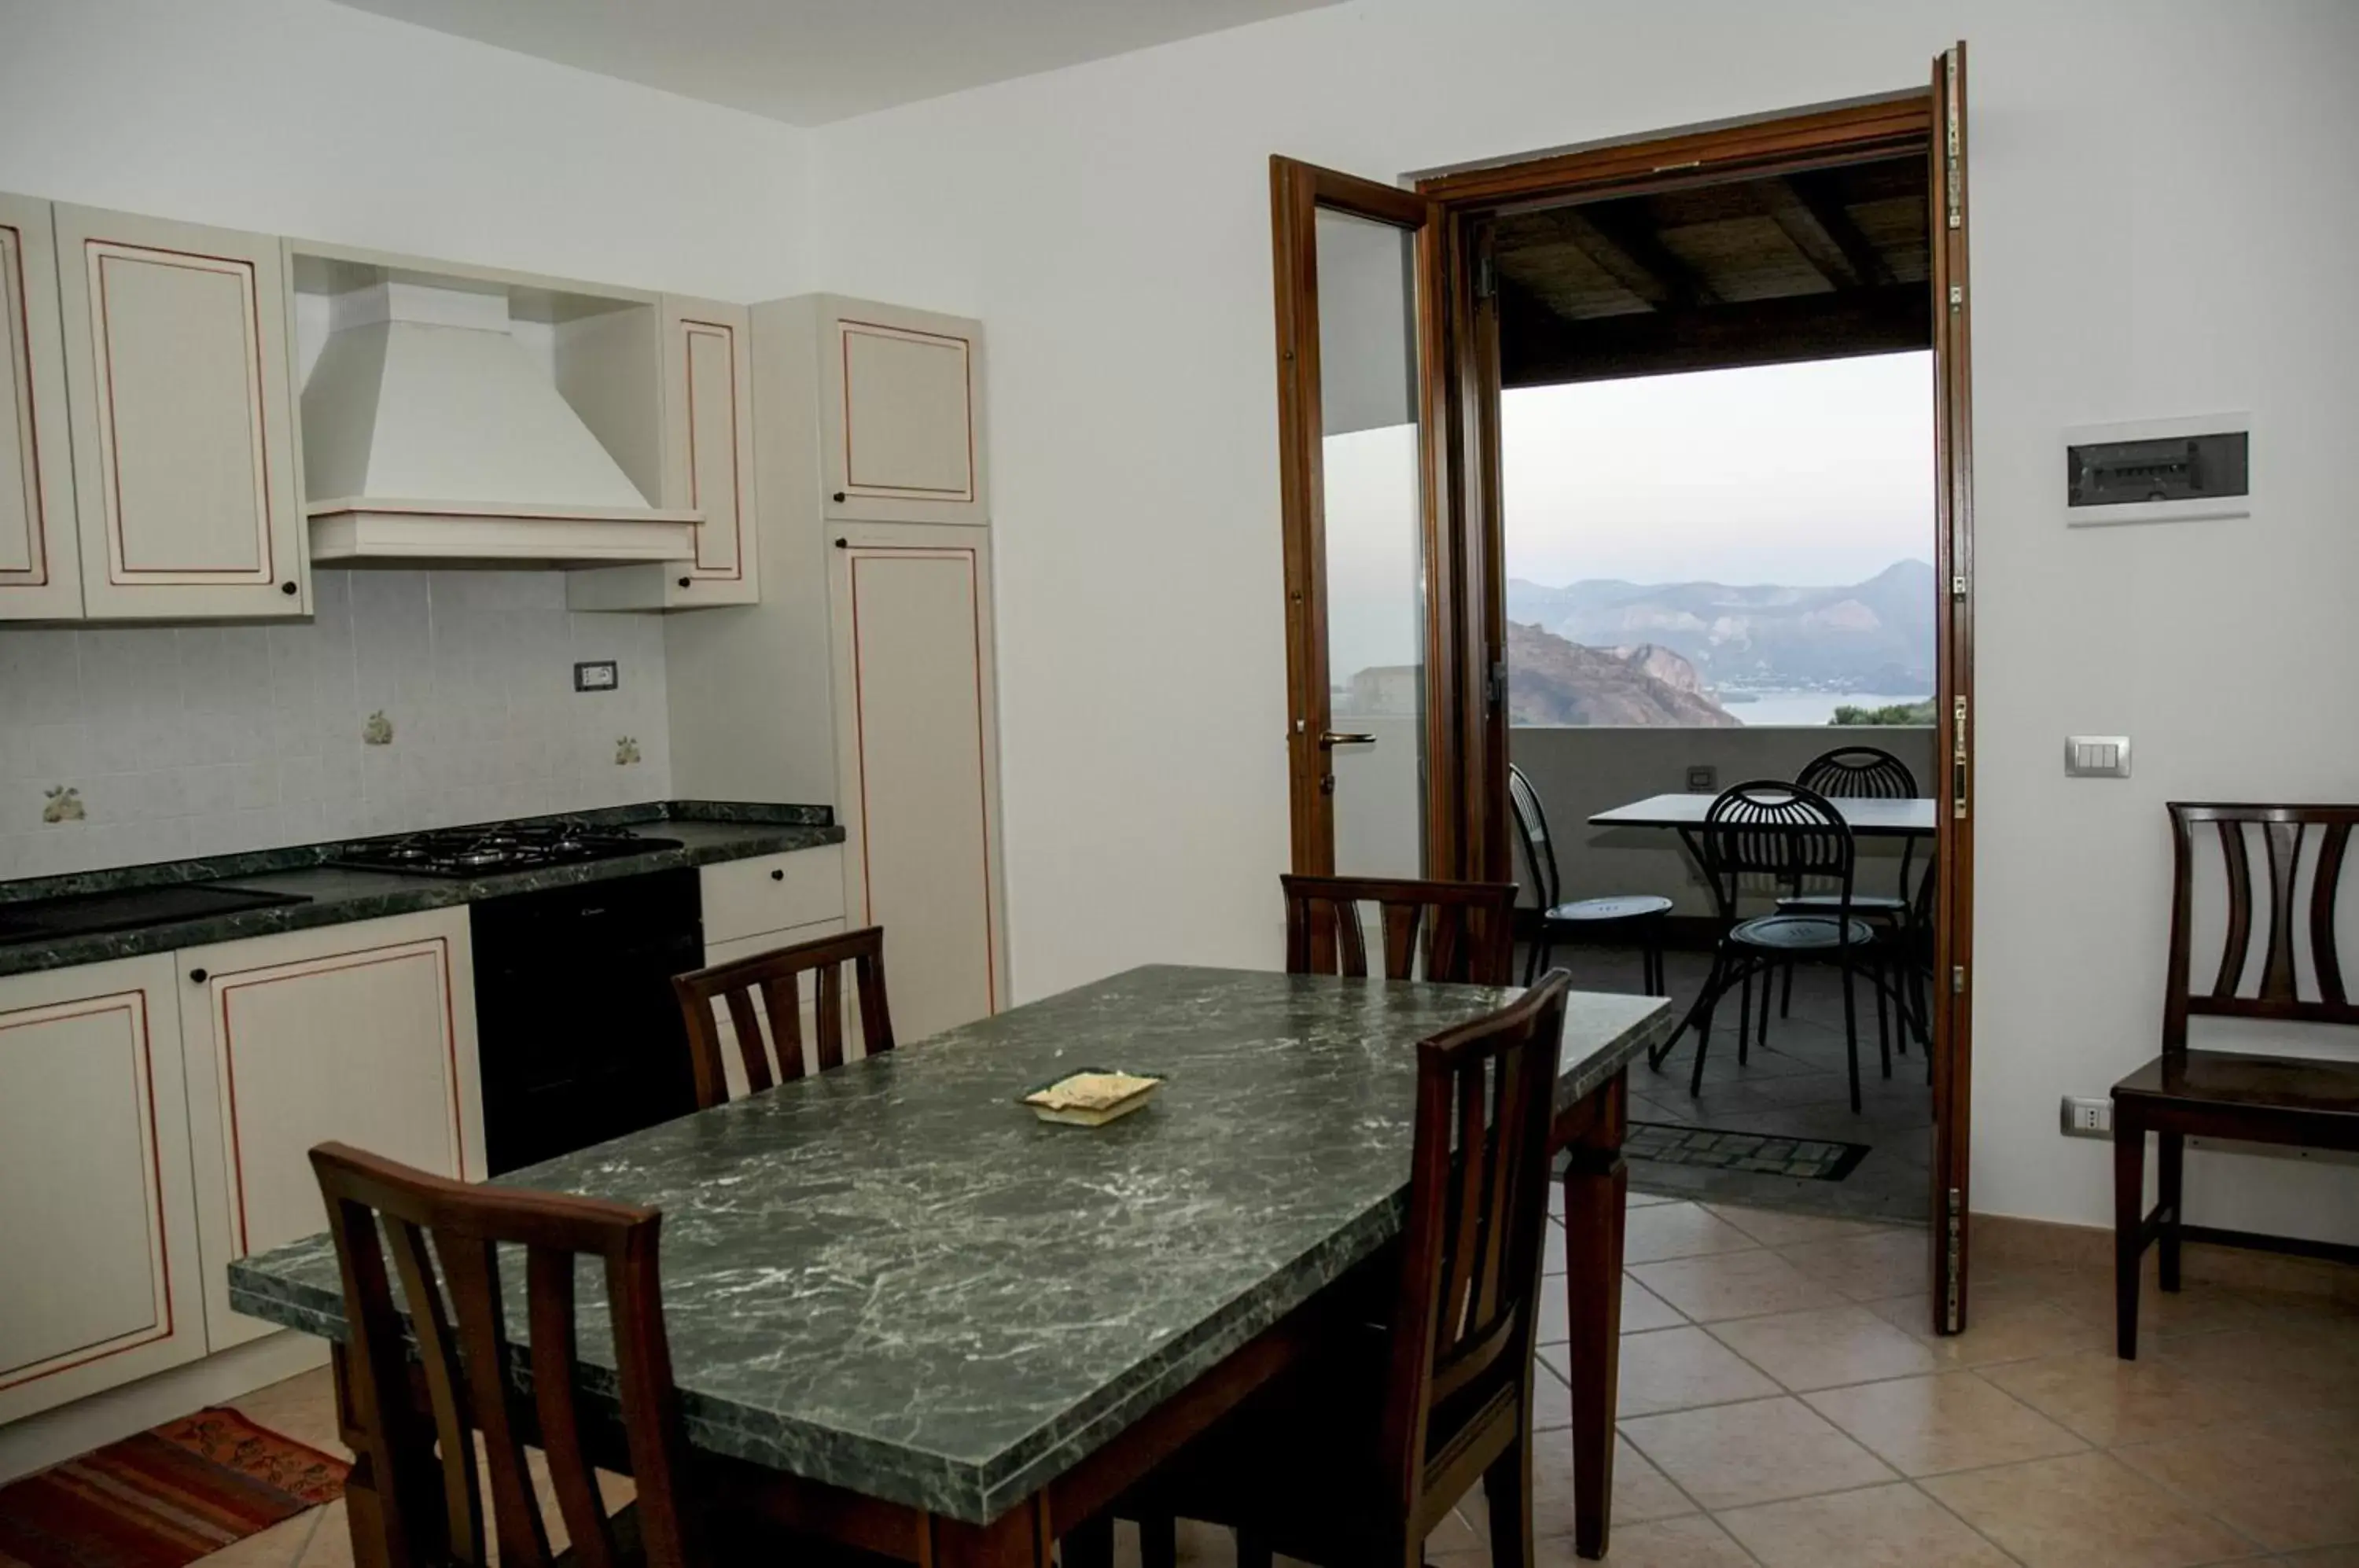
1909, 817
907, 1315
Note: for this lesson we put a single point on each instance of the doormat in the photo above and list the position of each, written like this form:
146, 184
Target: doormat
1812, 1159
166, 1496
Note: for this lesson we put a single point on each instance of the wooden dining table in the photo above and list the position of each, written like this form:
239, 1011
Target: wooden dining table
905, 1314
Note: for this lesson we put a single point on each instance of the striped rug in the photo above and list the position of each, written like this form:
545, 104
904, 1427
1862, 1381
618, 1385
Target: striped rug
165, 1497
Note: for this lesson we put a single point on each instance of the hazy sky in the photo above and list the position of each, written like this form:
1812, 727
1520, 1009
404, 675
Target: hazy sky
1818, 473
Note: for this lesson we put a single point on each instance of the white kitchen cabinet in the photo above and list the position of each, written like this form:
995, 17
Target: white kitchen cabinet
363, 1033
40, 563
901, 415
708, 464
97, 1218
766, 893
917, 746
177, 379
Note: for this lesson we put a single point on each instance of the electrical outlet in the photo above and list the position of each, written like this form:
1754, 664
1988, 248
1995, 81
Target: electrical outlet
596, 675
2085, 1117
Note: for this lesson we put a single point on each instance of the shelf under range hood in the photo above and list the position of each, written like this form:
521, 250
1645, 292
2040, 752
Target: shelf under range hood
439, 441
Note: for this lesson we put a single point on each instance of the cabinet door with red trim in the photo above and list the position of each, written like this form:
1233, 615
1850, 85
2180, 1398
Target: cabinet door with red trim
901, 411
40, 570
917, 752
176, 349
364, 1034
98, 1231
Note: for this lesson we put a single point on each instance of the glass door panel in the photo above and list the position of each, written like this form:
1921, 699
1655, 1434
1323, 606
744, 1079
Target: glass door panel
1374, 541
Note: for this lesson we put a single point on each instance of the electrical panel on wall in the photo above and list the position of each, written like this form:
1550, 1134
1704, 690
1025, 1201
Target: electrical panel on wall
2158, 471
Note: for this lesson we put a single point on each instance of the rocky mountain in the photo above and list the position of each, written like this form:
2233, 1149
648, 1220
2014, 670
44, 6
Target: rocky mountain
1875, 636
1551, 681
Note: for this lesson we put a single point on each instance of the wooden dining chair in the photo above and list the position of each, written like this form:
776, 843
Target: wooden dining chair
2268, 855
775, 978
1434, 930
421, 1466
1354, 1459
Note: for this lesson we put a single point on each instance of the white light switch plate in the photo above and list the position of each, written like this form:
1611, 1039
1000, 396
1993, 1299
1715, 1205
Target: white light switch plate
2097, 756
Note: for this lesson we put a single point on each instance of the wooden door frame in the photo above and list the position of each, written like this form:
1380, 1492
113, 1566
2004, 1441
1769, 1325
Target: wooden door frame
1298, 191
1926, 122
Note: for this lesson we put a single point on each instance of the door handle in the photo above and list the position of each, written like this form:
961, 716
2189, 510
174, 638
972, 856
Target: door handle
1328, 738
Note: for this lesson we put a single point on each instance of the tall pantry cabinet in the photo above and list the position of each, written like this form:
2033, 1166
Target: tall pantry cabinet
866, 675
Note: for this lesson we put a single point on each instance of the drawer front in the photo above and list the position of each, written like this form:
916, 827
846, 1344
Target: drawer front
771, 893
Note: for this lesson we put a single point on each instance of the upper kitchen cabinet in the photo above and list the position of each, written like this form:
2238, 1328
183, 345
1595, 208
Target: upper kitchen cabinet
901, 417
707, 464
176, 356
40, 567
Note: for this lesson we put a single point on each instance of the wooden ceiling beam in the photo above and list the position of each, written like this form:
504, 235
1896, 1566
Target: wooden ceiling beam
1890, 319
1634, 257
1811, 213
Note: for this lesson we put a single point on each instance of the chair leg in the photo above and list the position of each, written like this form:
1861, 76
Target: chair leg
1882, 1020
1786, 1001
2129, 1229
1507, 1488
1744, 1014
1715, 986
1851, 1035
2169, 1179
1761, 1030
1652, 956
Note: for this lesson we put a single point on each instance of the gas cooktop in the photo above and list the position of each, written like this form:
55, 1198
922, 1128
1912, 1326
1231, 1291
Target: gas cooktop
500, 846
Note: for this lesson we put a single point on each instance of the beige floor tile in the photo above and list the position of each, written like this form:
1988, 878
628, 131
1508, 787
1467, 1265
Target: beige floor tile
2326, 1557
1551, 1399
1733, 1285
1823, 1346
1679, 1230
1638, 1200
1997, 1329
1923, 1426
1866, 1268
1640, 1492
302, 1407
1729, 1455
1643, 1310
2278, 1367
1775, 1227
276, 1547
1678, 1370
1876, 1526
2108, 1401
2088, 1294
331, 1544
1691, 1543
2084, 1510
2282, 1486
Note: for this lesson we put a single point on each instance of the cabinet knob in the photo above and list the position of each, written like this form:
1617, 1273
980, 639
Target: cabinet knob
685, 582
289, 589
838, 496
197, 976
777, 876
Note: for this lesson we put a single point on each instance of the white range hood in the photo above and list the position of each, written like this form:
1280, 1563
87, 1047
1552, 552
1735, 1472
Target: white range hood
436, 438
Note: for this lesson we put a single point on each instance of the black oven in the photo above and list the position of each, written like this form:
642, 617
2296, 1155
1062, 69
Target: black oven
578, 1030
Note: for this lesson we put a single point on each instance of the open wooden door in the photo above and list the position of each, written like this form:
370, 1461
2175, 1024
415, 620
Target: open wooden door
1371, 667
1953, 863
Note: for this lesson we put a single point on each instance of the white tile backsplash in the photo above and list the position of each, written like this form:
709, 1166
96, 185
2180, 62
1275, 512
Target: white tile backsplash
204, 740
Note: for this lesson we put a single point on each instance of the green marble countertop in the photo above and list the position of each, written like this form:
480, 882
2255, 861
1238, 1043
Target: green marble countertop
707, 832
893, 1278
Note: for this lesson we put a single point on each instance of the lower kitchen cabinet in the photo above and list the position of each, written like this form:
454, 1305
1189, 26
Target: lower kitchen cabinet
98, 1223
363, 1033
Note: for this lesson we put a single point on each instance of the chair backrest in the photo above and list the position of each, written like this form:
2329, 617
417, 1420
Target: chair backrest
1462, 931
423, 1464
1466, 1315
1532, 833
2266, 875
1858, 773
1781, 832
775, 978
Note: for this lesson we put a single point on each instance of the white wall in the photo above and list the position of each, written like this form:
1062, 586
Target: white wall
303, 118
2162, 211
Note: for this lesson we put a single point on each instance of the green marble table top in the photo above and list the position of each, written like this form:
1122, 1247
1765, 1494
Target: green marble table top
894, 1279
